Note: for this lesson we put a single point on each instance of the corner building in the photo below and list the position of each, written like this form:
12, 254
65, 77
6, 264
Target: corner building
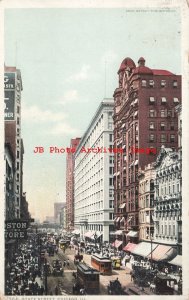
93, 176
144, 120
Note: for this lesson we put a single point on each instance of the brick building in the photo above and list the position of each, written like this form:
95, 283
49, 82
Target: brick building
144, 120
70, 163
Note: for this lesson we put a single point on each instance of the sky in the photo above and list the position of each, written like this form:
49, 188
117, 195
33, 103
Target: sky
69, 60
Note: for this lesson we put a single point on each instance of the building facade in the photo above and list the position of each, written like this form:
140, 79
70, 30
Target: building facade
146, 202
9, 183
70, 162
93, 175
57, 211
144, 120
12, 116
168, 199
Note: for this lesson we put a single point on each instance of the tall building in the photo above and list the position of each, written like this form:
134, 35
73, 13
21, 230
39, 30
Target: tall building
57, 210
144, 120
12, 117
93, 176
70, 163
146, 202
9, 183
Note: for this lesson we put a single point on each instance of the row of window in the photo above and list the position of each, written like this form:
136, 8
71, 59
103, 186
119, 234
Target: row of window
162, 125
163, 113
163, 138
163, 83
152, 100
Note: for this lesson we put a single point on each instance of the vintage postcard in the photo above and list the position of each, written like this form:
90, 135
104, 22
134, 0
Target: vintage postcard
94, 149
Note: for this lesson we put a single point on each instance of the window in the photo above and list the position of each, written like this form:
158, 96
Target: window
18, 109
163, 138
169, 113
152, 100
163, 83
170, 231
151, 83
152, 113
172, 138
110, 181
111, 138
111, 203
151, 138
175, 83
163, 100
172, 126
143, 83
175, 100
162, 113
110, 125
18, 154
162, 125
18, 121
173, 230
165, 229
152, 125
111, 216
111, 170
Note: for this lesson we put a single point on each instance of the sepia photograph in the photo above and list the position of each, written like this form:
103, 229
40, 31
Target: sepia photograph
94, 135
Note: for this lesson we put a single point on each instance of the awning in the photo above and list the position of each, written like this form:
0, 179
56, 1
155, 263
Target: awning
136, 101
177, 261
122, 220
98, 234
89, 234
117, 243
144, 249
123, 125
124, 146
129, 247
163, 253
76, 231
136, 113
118, 219
115, 219
118, 173
136, 162
118, 232
132, 233
122, 205
152, 99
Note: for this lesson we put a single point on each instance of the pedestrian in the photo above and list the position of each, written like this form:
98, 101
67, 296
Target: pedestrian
64, 263
56, 290
68, 262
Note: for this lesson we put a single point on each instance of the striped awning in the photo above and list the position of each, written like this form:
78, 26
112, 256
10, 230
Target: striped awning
144, 249
117, 243
118, 232
89, 234
129, 247
177, 261
163, 253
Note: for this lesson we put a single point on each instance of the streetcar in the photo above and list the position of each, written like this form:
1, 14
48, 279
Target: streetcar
116, 262
101, 264
88, 278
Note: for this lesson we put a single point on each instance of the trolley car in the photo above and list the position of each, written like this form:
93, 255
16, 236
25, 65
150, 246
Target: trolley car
101, 264
88, 278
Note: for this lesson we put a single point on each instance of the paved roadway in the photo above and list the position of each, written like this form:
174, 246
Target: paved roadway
65, 283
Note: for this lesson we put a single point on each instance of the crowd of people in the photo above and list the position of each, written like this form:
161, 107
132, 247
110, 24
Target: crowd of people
24, 275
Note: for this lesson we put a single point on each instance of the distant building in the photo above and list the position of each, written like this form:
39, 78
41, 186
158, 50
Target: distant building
57, 210
93, 176
70, 163
144, 120
49, 219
